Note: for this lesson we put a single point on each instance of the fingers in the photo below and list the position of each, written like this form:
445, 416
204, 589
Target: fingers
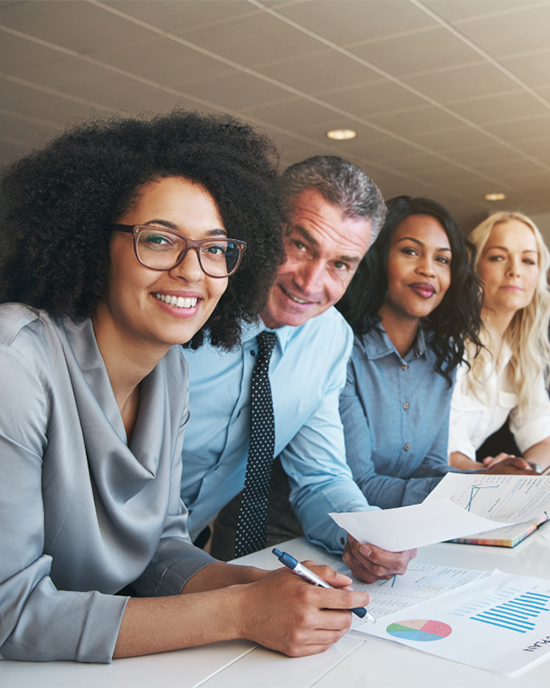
370, 563
285, 613
492, 460
511, 466
337, 580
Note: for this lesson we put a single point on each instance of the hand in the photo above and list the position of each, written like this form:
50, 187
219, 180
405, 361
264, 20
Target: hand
511, 466
370, 563
285, 613
492, 460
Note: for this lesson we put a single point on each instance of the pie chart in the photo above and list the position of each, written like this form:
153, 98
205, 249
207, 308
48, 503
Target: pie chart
419, 630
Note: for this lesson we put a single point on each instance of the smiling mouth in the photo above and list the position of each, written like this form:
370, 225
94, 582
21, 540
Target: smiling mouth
176, 301
294, 298
423, 289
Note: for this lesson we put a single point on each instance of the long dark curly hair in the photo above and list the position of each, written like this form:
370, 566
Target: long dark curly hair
458, 316
58, 202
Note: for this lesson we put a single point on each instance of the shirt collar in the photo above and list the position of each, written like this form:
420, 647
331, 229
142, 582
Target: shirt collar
284, 333
377, 344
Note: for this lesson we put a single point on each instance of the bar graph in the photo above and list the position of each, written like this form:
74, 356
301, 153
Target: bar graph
519, 614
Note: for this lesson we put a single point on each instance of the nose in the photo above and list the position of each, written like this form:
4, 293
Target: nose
426, 266
309, 277
189, 269
514, 267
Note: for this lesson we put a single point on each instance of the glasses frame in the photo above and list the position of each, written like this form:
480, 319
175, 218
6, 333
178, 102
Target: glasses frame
135, 230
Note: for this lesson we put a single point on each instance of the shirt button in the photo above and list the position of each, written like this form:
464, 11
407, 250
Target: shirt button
404, 366
406, 405
252, 352
407, 447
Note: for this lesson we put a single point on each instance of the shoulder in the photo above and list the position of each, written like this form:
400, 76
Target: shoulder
31, 332
327, 332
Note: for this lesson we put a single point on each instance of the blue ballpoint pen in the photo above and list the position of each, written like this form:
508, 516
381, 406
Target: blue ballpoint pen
310, 577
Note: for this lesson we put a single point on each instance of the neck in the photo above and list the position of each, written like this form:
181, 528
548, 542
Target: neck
500, 322
127, 361
401, 331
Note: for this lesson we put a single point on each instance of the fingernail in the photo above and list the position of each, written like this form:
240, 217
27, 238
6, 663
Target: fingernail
365, 551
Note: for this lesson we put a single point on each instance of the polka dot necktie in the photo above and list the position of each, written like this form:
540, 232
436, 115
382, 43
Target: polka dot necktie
251, 532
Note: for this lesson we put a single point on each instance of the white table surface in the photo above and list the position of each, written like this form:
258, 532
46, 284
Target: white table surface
352, 662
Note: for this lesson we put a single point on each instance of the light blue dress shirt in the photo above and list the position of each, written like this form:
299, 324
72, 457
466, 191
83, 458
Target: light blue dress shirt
395, 412
307, 373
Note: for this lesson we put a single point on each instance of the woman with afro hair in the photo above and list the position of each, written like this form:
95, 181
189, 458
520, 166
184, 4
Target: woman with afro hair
121, 240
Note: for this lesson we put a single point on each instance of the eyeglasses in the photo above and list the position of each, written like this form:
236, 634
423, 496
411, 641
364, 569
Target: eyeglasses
164, 249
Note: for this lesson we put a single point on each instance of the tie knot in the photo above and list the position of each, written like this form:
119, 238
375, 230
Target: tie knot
266, 343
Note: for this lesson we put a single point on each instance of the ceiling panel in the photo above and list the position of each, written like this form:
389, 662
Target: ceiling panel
409, 54
465, 10
510, 32
319, 71
499, 107
423, 119
162, 60
78, 26
367, 99
262, 38
181, 16
349, 22
462, 82
532, 68
433, 115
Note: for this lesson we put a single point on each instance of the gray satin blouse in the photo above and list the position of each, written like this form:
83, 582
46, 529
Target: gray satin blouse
82, 514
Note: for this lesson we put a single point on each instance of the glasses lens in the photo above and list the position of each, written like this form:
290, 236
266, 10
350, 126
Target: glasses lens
219, 257
159, 249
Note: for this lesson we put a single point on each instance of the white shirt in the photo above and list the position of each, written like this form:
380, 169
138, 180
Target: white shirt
474, 419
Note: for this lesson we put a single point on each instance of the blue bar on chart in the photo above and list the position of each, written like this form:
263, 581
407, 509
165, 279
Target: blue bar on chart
517, 614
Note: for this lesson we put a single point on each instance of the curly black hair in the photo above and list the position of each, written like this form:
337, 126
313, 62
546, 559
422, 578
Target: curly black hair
458, 316
58, 203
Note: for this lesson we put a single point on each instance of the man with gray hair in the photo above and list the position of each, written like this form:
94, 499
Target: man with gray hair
278, 394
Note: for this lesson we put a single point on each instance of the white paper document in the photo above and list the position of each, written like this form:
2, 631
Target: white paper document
461, 505
503, 498
421, 582
500, 623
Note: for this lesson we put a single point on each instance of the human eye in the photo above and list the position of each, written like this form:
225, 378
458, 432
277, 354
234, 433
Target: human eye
530, 261
157, 240
408, 250
444, 260
218, 248
495, 258
341, 266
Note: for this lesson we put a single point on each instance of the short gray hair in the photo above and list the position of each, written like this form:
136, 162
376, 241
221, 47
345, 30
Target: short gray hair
341, 183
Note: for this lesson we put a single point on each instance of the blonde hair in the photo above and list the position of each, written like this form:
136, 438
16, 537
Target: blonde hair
527, 334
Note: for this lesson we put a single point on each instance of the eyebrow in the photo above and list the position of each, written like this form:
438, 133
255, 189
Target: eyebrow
503, 248
170, 225
420, 243
307, 236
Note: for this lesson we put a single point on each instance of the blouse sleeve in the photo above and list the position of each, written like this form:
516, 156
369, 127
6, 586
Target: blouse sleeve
38, 622
459, 439
532, 426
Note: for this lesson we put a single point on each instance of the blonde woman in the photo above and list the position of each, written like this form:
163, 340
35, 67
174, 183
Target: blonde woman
506, 379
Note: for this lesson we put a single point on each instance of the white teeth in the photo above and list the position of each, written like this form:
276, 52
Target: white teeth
177, 301
295, 298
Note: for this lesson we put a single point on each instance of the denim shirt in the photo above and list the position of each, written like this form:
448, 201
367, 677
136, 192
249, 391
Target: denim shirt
395, 412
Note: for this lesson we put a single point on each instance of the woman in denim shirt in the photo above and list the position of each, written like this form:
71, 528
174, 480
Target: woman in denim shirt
412, 304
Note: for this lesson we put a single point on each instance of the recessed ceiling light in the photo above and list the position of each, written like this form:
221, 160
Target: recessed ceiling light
341, 134
495, 197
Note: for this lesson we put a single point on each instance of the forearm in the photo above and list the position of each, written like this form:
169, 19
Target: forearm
539, 453
219, 575
459, 460
159, 624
